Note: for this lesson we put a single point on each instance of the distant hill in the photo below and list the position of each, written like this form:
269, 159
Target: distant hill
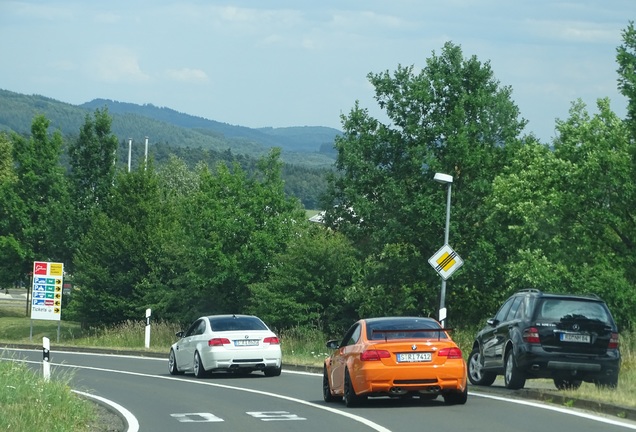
310, 146
296, 139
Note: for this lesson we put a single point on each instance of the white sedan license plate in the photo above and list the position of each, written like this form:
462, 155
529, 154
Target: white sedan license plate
575, 337
414, 357
246, 342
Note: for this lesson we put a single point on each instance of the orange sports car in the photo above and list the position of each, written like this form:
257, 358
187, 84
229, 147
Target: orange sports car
395, 357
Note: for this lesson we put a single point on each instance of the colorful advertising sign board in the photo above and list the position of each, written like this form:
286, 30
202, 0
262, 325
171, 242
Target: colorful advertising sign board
46, 293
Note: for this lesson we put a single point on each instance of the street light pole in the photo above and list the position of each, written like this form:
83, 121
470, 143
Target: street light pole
448, 181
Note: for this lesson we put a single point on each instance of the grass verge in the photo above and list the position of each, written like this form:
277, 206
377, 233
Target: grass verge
28, 400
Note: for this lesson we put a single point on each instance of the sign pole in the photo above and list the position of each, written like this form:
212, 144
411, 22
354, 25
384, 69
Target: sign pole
28, 300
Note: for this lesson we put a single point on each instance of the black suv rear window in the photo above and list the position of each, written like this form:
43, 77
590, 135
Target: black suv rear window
564, 309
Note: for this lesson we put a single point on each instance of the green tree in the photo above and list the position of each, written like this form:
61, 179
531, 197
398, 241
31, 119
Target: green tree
113, 258
11, 250
598, 210
307, 283
626, 59
42, 216
564, 216
220, 239
452, 117
92, 158
525, 221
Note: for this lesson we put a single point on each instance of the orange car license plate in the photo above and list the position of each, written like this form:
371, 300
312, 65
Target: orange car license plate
414, 357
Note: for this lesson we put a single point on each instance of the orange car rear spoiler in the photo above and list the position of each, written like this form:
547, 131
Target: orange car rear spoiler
427, 330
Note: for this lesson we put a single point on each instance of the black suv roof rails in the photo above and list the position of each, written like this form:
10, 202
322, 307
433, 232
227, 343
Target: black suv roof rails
530, 290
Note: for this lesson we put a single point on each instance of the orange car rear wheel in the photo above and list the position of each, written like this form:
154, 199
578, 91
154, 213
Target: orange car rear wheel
350, 397
456, 398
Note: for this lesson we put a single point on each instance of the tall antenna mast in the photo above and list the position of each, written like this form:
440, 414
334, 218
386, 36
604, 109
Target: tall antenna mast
129, 152
146, 155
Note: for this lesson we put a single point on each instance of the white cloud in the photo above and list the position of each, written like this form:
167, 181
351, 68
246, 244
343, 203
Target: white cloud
117, 64
574, 31
187, 75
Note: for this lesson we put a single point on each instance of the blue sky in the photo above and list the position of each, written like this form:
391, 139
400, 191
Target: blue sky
297, 63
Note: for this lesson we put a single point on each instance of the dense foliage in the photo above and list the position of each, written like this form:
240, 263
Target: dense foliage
524, 214
451, 117
213, 232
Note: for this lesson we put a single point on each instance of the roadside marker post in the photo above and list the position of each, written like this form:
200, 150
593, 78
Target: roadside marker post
46, 358
147, 339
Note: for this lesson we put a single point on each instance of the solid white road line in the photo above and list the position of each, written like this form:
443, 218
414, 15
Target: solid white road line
131, 420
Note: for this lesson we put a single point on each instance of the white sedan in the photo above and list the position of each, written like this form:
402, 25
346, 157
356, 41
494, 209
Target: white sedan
231, 343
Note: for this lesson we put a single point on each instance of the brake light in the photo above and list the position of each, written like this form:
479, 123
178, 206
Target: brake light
614, 341
451, 353
272, 340
218, 342
374, 355
531, 335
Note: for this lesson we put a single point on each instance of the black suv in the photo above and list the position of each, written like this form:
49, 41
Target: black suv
569, 338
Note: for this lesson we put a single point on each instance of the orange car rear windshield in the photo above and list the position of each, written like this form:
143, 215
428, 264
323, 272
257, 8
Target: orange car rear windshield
405, 330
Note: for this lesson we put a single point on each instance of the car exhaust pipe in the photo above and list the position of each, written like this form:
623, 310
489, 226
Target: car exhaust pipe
431, 390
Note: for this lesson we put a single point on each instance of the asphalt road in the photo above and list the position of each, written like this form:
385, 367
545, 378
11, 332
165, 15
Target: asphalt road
292, 402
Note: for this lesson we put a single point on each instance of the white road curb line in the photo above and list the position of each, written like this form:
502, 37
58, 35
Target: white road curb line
131, 420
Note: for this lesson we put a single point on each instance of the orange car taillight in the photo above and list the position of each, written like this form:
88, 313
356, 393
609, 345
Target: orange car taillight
614, 342
218, 342
272, 340
374, 355
531, 335
451, 353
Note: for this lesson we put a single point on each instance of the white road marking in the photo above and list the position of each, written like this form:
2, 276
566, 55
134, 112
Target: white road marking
133, 424
197, 418
558, 409
274, 415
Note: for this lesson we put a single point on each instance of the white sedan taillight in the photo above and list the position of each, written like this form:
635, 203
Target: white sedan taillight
218, 342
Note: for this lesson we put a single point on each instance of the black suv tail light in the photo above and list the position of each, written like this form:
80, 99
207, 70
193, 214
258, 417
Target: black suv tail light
531, 335
613, 343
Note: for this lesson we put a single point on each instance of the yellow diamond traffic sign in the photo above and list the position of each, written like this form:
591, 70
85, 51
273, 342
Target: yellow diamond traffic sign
445, 261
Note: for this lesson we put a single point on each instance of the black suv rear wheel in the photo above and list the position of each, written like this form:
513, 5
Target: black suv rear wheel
514, 379
610, 382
